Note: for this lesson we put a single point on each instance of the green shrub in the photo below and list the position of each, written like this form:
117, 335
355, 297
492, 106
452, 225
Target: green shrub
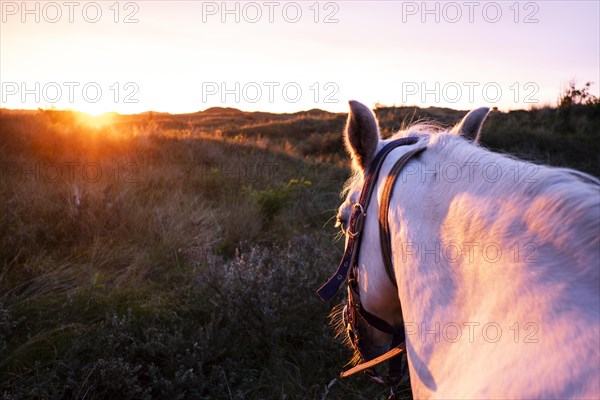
272, 200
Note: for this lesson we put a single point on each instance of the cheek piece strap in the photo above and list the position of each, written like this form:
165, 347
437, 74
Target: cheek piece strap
354, 314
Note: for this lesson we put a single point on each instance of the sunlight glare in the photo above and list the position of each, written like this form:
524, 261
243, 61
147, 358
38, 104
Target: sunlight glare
96, 121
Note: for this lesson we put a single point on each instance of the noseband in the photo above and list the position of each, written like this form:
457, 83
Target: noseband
354, 314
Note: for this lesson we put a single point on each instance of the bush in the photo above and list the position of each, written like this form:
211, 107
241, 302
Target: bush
251, 327
272, 200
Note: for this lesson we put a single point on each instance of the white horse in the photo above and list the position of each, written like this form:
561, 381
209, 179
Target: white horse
497, 263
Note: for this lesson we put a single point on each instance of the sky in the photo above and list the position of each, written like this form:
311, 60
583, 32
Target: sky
286, 56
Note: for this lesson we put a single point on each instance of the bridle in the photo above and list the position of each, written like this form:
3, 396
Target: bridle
354, 314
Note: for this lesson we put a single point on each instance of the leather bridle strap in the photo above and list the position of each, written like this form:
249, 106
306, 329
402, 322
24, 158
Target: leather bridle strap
395, 370
385, 237
380, 324
355, 225
348, 266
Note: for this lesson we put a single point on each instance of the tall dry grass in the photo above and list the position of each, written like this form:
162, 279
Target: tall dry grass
187, 268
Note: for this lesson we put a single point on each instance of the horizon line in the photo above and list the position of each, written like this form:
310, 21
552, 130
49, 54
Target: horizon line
531, 107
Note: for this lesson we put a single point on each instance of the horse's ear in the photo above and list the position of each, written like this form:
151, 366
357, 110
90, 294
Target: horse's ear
362, 134
470, 126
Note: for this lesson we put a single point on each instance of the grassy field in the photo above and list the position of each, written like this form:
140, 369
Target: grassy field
177, 256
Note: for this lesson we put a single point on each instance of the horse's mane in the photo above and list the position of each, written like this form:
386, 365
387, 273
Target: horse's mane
571, 198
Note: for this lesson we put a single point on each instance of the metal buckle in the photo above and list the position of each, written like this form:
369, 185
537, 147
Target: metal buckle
359, 221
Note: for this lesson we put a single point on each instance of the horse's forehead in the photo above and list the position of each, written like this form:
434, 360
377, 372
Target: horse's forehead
352, 185
356, 188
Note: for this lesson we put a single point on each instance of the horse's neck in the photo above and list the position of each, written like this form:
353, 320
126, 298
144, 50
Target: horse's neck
491, 292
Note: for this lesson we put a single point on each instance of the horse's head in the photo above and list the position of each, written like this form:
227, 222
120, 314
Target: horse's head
370, 284
377, 293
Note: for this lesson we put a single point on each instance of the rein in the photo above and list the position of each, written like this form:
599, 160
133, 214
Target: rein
348, 269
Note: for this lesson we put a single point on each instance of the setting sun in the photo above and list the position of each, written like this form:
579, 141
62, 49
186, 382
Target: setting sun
96, 120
